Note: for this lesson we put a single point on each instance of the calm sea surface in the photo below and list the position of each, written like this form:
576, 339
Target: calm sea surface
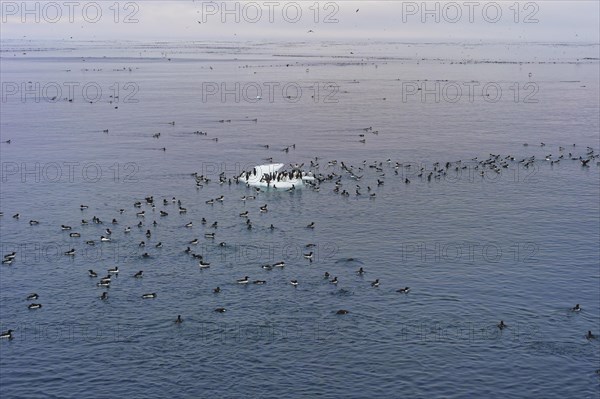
519, 245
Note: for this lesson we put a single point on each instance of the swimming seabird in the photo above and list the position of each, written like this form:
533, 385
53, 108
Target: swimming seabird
149, 296
35, 306
217, 290
243, 280
342, 311
220, 310
576, 308
104, 295
501, 325
179, 320
92, 273
114, 270
294, 283
404, 290
71, 252
7, 334
589, 335
375, 283
139, 274
32, 296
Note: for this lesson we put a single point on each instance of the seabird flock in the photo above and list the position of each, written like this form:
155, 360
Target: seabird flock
331, 176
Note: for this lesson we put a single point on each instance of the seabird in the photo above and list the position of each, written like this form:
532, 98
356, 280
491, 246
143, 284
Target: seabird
243, 280
7, 334
35, 306
149, 296
375, 283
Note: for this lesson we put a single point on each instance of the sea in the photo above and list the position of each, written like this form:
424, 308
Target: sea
107, 124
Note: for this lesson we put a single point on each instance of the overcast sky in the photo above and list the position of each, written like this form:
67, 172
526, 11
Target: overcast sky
545, 20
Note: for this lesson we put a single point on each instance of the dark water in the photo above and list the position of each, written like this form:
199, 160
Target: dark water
520, 245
